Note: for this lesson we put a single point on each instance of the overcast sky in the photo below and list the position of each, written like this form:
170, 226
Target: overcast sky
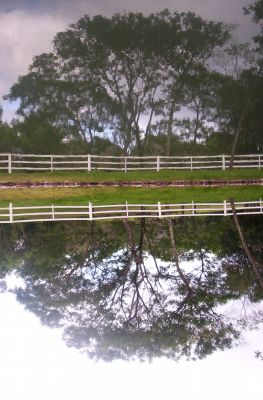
27, 27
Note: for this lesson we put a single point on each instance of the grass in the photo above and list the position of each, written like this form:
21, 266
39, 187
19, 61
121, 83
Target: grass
100, 196
98, 176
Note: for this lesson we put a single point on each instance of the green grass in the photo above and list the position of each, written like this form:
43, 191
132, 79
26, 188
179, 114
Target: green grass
99, 196
98, 176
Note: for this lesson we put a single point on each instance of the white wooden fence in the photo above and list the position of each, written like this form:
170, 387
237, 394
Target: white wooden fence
32, 162
89, 212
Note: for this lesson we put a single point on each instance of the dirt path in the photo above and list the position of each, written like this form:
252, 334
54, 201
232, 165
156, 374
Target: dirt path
174, 183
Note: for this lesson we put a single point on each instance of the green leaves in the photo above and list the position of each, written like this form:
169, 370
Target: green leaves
121, 73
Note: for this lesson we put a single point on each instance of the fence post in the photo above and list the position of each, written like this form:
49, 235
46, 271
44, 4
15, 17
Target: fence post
53, 212
223, 162
127, 210
9, 163
51, 163
158, 164
159, 210
259, 161
261, 205
125, 164
225, 208
89, 162
11, 212
193, 208
191, 163
90, 211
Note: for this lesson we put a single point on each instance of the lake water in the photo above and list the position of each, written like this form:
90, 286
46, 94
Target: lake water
171, 292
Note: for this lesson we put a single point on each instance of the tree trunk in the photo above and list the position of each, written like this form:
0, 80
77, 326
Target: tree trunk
196, 125
251, 259
139, 148
237, 133
136, 251
91, 137
170, 129
175, 256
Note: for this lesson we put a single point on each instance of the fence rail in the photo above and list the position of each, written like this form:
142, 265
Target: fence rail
33, 162
90, 212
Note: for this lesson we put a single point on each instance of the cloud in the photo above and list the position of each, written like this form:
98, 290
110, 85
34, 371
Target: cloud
27, 27
22, 36
68, 10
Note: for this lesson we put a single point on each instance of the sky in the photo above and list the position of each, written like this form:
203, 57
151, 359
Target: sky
27, 27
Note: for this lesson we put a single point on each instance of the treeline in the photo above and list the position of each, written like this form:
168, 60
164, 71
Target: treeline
167, 83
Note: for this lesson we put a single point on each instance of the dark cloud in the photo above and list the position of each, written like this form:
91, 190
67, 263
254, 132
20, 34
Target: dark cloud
28, 26
71, 10
229, 10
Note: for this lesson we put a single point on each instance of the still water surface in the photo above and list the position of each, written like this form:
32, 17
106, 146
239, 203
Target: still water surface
148, 290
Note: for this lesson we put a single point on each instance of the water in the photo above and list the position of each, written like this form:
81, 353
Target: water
150, 290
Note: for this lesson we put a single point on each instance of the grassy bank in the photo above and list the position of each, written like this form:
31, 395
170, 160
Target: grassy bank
100, 196
98, 176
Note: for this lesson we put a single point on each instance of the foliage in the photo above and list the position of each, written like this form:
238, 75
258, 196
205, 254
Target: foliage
9, 140
118, 75
165, 83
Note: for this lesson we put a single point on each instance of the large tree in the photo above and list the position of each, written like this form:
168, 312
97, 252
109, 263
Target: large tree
239, 98
120, 74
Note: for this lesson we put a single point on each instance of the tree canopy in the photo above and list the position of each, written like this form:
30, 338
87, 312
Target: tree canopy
169, 81
120, 75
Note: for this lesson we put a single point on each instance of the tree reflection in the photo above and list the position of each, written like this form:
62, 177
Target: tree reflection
137, 290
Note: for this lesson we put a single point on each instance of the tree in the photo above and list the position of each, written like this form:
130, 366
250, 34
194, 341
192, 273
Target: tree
239, 98
245, 88
37, 135
256, 9
8, 137
119, 74
188, 58
68, 108
9, 140
255, 265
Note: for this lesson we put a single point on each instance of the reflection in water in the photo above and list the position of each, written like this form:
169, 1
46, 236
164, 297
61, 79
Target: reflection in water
139, 289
